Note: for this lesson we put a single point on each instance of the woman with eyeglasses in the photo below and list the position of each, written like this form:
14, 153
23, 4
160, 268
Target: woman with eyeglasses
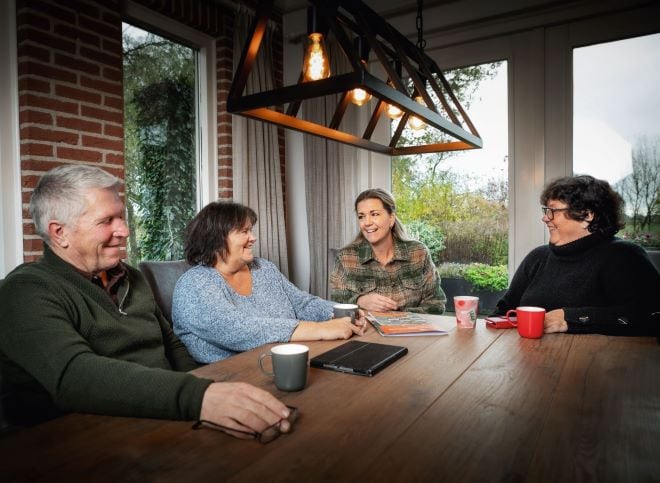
588, 280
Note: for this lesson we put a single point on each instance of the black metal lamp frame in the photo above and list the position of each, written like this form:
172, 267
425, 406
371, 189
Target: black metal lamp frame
391, 49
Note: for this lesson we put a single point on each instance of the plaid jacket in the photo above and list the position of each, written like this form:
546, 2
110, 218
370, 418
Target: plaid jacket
409, 278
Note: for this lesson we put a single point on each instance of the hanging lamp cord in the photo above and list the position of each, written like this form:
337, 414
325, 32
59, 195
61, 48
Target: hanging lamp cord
421, 43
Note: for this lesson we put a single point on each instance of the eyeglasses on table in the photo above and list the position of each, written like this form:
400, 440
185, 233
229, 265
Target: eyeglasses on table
266, 436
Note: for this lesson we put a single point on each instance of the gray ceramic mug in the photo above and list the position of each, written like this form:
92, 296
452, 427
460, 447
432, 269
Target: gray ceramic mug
345, 310
289, 366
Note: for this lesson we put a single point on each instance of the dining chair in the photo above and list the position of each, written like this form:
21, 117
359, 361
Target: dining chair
162, 277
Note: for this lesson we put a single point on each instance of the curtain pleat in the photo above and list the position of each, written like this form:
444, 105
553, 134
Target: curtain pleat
256, 163
330, 181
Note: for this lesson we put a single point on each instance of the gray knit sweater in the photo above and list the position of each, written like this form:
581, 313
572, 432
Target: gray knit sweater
215, 322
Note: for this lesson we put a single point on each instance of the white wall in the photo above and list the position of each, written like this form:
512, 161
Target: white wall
11, 229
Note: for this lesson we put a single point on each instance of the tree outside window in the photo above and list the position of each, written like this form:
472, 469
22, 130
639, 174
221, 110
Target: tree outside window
456, 203
160, 137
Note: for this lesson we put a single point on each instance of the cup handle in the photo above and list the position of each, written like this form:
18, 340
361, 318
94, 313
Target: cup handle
512, 322
261, 365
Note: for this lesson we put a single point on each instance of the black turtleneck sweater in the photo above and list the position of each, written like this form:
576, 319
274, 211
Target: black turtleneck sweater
605, 285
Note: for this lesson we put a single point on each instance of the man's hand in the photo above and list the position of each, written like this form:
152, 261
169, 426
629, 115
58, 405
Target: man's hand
241, 406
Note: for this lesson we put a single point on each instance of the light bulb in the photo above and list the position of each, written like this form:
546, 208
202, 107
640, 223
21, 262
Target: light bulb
316, 65
393, 112
360, 97
415, 123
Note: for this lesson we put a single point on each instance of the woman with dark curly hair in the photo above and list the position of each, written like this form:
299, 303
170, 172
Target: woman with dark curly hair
587, 280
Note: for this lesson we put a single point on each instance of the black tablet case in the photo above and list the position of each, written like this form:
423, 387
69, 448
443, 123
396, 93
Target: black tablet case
362, 358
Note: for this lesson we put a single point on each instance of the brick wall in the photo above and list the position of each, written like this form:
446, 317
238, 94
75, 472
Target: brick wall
70, 92
70, 87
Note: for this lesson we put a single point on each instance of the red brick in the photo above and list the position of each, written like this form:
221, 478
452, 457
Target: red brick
52, 10
33, 100
52, 135
102, 114
224, 151
112, 47
33, 51
112, 74
29, 181
78, 154
33, 244
35, 149
76, 34
100, 57
114, 88
114, 102
27, 17
89, 10
36, 117
73, 63
79, 124
28, 229
111, 18
39, 165
111, 158
115, 131
31, 258
102, 143
226, 172
226, 184
35, 85
77, 94
46, 71
28, 34
100, 27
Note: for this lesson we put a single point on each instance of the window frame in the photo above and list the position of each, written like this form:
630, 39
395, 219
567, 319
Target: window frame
205, 91
11, 212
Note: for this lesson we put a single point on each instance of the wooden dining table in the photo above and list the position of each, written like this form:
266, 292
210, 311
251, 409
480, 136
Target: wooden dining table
475, 405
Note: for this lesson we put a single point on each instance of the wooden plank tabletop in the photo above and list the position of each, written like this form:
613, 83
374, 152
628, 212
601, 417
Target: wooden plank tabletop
476, 405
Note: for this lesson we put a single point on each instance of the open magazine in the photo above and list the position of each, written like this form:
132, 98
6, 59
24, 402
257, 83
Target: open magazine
395, 324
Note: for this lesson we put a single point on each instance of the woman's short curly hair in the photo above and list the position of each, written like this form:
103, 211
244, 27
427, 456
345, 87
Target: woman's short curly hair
206, 234
584, 194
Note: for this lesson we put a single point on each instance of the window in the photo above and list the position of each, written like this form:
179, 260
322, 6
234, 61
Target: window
615, 130
457, 202
160, 131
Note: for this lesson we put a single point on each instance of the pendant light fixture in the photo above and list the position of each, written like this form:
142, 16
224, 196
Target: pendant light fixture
359, 96
316, 62
405, 72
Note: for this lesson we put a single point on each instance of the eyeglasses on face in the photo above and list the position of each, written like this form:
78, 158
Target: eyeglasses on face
266, 436
550, 212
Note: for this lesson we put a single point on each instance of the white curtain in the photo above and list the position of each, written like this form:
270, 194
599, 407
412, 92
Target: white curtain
256, 163
330, 182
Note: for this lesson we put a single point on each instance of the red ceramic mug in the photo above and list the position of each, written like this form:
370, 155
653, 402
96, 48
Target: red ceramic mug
529, 321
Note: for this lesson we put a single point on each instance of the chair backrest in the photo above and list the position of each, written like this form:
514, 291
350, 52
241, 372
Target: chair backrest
162, 277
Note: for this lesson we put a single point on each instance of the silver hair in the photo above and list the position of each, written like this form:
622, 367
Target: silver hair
60, 194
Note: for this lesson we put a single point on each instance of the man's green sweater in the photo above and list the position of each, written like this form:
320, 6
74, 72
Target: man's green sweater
65, 344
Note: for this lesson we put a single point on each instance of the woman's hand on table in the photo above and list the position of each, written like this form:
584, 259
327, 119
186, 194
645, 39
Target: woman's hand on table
554, 321
332, 329
374, 302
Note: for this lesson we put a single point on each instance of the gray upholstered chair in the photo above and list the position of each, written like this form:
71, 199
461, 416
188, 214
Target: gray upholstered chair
162, 277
